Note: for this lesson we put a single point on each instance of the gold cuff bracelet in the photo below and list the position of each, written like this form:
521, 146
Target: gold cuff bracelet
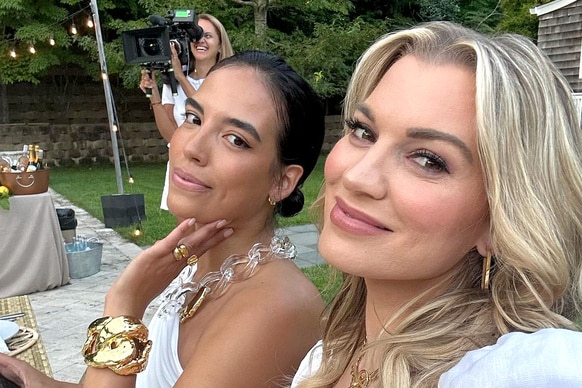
120, 344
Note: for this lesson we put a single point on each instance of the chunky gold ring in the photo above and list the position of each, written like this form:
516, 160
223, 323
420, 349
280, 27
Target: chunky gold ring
181, 252
192, 260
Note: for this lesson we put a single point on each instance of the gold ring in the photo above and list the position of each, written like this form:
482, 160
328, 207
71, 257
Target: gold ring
192, 260
181, 252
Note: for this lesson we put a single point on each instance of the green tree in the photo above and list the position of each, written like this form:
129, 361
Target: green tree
28, 23
322, 39
482, 15
517, 18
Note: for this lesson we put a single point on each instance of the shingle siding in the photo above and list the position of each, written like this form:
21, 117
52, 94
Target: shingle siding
560, 37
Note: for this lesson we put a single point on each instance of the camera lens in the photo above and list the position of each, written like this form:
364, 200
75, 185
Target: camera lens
151, 46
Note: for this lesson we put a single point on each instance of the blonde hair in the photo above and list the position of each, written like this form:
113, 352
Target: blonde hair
225, 46
530, 147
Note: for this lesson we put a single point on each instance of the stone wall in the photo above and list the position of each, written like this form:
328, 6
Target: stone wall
68, 119
86, 144
71, 100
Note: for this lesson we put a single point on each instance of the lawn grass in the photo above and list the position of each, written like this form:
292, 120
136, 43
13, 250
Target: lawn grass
325, 279
84, 186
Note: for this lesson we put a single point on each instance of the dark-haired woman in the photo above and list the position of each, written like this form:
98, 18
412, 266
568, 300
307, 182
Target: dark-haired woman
224, 321
168, 109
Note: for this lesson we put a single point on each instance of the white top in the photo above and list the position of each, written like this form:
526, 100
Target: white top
179, 103
547, 358
164, 368
309, 365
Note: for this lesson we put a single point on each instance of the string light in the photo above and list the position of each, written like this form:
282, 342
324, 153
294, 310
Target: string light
114, 128
137, 232
131, 181
73, 29
103, 76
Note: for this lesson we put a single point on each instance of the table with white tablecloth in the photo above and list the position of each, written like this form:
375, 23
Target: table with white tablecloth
32, 250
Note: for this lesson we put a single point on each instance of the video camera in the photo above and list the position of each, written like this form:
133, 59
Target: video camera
150, 47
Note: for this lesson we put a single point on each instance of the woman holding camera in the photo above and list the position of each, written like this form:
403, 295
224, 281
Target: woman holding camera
169, 109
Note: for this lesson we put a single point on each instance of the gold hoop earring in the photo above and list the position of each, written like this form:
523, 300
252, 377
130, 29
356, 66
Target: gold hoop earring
486, 274
272, 202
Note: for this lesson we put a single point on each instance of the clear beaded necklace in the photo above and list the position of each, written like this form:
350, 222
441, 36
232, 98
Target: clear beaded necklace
213, 285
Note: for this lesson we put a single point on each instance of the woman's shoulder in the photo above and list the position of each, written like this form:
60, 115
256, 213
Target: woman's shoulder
282, 286
545, 358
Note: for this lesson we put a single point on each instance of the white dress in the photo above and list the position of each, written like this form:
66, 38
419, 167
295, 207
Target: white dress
164, 368
179, 103
547, 358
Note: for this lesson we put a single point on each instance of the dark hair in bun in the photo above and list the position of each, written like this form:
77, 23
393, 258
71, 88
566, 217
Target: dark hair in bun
300, 112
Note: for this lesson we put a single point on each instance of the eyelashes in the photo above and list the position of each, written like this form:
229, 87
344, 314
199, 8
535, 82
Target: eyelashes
233, 139
430, 161
424, 158
360, 131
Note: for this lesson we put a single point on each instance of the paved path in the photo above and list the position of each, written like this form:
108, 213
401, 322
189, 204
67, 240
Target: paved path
64, 313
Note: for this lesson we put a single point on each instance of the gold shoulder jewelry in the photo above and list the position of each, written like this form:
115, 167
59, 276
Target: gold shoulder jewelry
361, 378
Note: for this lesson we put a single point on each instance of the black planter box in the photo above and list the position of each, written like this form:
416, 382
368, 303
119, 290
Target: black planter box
123, 209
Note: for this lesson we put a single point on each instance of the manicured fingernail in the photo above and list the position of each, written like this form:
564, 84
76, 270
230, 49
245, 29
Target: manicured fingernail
228, 232
221, 223
191, 221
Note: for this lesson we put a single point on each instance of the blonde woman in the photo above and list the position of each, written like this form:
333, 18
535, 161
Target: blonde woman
453, 206
169, 110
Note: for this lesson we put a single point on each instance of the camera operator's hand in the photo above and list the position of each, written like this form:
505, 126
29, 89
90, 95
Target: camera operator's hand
148, 82
177, 67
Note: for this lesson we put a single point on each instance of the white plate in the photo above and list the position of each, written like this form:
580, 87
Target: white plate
8, 329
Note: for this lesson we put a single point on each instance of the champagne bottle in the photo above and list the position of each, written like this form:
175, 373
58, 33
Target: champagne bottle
31, 158
39, 159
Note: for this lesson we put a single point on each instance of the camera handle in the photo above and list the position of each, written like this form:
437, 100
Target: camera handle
173, 82
148, 91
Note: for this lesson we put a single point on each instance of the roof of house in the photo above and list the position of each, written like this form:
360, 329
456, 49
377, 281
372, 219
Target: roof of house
550, 7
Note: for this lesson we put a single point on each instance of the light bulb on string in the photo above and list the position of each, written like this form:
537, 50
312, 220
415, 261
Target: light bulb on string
13, 53
114, 128
103, 76
31, 49
131, 180
52, 41
73, 29
90, 23
137, 232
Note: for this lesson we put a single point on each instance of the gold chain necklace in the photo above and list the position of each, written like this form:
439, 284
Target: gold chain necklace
361, 378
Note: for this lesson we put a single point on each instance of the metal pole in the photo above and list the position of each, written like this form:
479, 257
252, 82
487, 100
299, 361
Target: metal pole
113, 126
